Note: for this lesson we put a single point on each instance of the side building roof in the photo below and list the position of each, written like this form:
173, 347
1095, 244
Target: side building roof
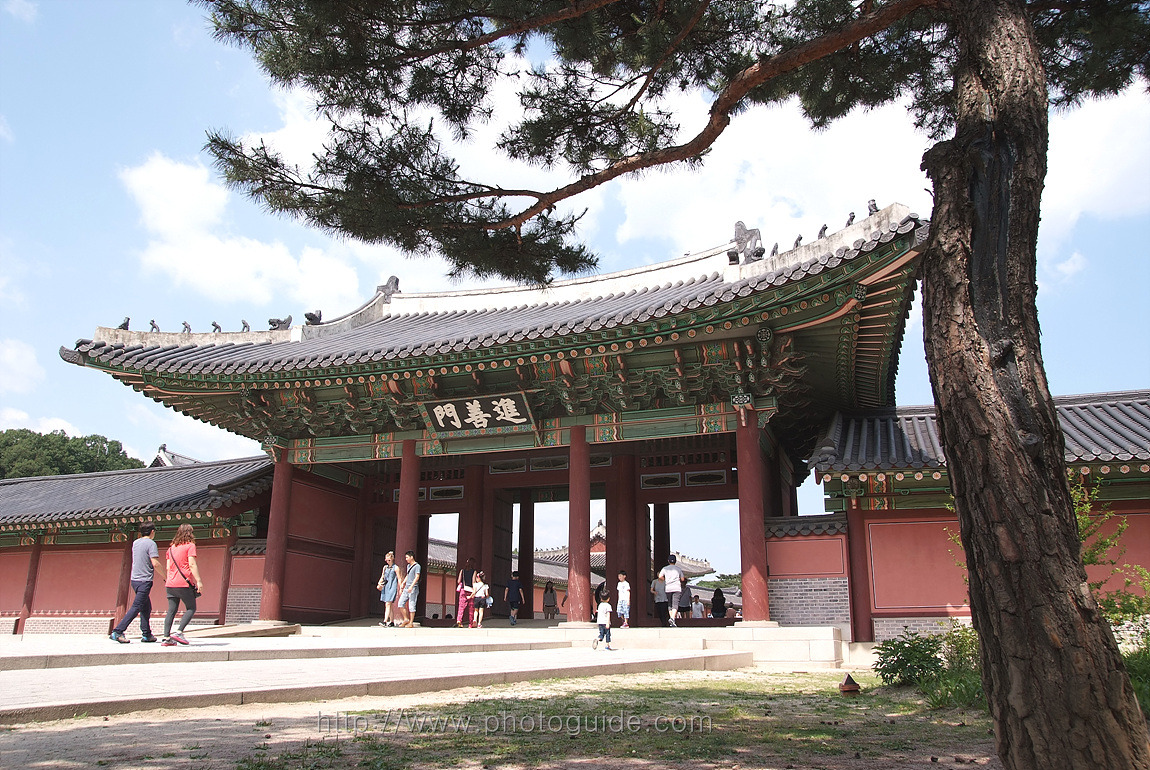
136, 493
1098, 427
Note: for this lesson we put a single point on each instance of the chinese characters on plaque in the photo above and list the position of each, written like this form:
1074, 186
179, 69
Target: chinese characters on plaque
486, 414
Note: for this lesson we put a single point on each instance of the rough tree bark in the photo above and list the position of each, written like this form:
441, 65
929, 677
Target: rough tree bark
1057, 688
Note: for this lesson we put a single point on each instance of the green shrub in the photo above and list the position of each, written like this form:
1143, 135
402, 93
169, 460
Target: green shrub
1138, 666
955, 688
960, 651
909, 658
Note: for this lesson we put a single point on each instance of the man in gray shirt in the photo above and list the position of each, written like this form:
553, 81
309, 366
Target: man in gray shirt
145, 562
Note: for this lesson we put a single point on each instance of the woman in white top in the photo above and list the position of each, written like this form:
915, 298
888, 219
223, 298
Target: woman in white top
479, 592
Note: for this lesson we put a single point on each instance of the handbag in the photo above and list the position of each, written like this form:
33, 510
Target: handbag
191, 585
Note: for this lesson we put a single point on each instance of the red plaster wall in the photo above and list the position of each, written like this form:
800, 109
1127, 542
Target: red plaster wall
248, 570
13, 578
316, 583
804, 557
1136, 542
77, 580
912, 566
321, 515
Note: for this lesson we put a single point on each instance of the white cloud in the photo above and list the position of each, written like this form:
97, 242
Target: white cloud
1071, 266
770, 170
24, 10
19, 370
185, 435
184, 210
1099, 164
302, 133
6, 131
14, 418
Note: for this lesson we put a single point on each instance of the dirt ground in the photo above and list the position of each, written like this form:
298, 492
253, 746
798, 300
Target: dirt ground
754, 718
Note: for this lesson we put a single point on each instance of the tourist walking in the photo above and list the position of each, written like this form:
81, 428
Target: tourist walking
183, 584
603, 618
145, 562
623, 589
659, 591
463, 604
388, 587
550, 601
409, 593
513, 595
673, 580
480, 598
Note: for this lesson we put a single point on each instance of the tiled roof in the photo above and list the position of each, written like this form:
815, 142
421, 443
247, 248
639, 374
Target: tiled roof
691, 567
442, 554
137, 492
1098, 427
792, 526
399, 326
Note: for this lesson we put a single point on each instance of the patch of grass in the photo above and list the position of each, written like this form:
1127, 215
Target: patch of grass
760, 717
264, 723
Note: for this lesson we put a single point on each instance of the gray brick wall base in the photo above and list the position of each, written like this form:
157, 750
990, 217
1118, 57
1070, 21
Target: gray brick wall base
243, 604
890, 628
66, 625
809, 601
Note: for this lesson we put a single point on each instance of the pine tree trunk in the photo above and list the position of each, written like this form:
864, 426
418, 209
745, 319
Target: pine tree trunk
1057, 688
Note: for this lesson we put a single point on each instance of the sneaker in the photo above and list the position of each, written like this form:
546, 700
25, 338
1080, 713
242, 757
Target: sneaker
178, 637
148, 639
626, 624
168, 642
595, 645
117, 636
673, 624
609, 647
513, 621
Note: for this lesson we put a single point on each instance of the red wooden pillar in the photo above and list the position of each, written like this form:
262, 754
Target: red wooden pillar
862, 624
470, 528
662, 536
124, 588
752, 538
226, 578
275, 557
527, 553
579, 528
407, 524
362, 579
641, 585
30, 585
423, 533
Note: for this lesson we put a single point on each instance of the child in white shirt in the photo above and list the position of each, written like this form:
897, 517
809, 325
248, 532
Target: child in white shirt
624, 589
603, 617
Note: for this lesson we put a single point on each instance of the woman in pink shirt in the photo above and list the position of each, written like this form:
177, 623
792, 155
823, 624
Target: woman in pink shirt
183, 583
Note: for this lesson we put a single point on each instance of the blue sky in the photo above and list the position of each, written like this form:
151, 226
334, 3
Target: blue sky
109, 208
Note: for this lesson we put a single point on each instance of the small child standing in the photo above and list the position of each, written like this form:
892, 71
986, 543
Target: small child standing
624, 590
604, 619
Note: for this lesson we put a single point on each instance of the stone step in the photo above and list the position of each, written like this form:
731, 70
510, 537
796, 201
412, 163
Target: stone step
205, 651
60, 693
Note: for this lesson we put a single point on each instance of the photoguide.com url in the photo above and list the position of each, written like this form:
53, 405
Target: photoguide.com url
403, 721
